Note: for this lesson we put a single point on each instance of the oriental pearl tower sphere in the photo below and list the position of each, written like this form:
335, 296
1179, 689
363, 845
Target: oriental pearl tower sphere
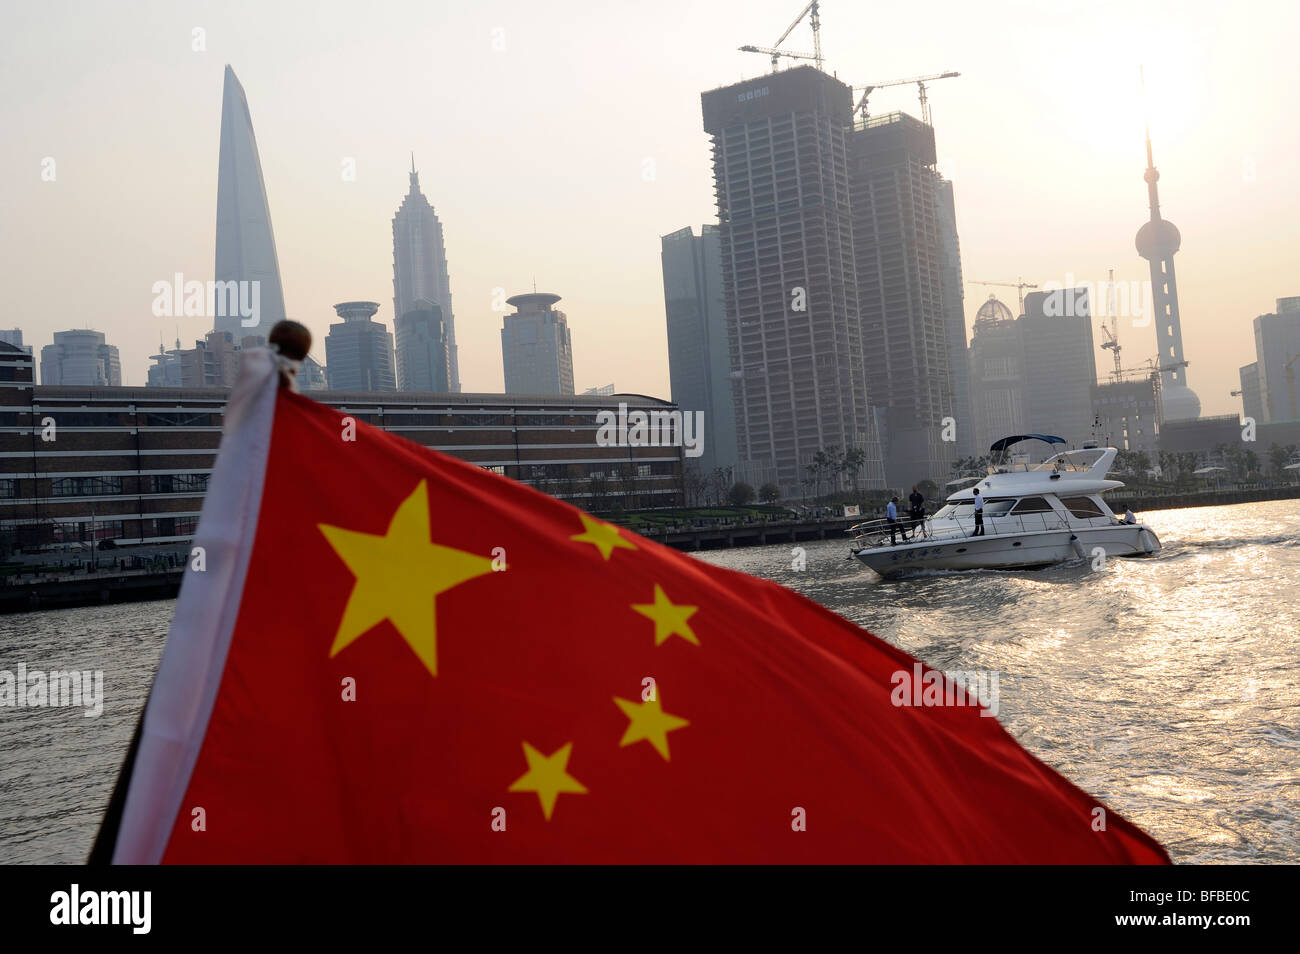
1157, 241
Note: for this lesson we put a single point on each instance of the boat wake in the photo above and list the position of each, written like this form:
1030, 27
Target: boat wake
1175, 549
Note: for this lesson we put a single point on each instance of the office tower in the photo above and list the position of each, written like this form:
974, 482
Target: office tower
214, 361
535, 346
1157, 241
421, 348
312, 375
1252, 395
954, 315
1060, 363
781, 175
996, 361
17, 374
359, 350
165, 372
420, 267
14, 336
1036, 373
698, 367
245, 241
1277, 345
902, 264
80, 357
1125, 415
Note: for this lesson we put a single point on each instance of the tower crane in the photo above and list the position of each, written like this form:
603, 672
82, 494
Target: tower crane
920, 82
1112, 333
777, 54
812, 11
1019, 284
1154, 369
1112, 344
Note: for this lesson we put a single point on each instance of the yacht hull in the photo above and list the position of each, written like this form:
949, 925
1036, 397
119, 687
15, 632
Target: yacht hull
1010, 551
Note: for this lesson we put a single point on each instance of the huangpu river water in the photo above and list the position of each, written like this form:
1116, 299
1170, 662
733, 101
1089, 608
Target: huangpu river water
1168, 687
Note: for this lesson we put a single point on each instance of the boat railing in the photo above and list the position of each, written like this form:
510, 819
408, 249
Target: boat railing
875, 533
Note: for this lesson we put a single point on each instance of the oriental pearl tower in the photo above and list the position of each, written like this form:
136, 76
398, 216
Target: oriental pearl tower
1157, 241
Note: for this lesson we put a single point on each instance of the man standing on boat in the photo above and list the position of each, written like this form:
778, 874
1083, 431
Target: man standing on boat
917, 509
979, 514
891, 515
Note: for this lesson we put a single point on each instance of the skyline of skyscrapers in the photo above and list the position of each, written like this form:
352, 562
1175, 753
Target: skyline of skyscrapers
536, 349
420, 267
695, 308
840, 262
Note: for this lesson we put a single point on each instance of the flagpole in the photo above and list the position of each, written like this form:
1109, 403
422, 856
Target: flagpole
289, 343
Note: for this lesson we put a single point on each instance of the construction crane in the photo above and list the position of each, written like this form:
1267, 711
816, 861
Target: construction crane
1112, 333
812, 11
1020, 284
920, 82
1153, 370
777, 54
1112, 345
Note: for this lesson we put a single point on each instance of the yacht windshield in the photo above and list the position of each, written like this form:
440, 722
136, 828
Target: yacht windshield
966, 508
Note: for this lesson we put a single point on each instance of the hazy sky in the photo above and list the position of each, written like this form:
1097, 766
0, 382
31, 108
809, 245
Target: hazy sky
535, 155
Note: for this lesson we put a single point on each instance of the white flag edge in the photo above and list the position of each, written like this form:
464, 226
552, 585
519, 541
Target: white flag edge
194, 657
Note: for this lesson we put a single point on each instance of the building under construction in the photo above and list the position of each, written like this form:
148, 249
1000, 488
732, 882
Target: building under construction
909, 295
781, 172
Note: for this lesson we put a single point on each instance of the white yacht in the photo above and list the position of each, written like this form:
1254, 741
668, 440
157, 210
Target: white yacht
1035, 514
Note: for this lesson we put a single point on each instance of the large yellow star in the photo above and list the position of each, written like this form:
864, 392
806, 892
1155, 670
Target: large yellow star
399, 576
649, 722
604, 536
548, 776
670, 619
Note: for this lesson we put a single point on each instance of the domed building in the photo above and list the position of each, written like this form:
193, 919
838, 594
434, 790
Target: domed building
997, 372
993, 310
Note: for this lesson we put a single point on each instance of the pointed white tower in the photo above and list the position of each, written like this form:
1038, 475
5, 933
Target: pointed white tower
245, 241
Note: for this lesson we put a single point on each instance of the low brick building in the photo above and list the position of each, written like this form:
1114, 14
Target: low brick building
132, 465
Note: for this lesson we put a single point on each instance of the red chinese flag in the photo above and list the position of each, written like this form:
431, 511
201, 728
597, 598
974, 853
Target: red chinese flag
395, 656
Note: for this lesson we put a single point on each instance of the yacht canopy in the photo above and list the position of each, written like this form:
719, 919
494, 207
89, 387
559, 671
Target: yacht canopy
1001, 445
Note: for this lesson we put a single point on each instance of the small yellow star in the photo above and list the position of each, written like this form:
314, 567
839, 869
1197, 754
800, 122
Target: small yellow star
548, 776
670, 619
399, 575
649, 722
604, 536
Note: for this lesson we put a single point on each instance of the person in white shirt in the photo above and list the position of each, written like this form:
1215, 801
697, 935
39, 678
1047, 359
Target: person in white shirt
1128, 515
979, 514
